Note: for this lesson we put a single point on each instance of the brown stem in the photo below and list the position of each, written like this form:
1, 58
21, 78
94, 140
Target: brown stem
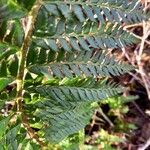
21, 71
25, 46
31, 132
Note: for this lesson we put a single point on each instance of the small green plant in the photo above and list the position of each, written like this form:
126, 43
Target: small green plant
118, 108
107, 141
53, 59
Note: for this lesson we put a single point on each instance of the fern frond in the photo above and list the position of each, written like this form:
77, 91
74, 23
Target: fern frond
13, 136
6, 50
8, 134
10, 10
11, 38
64, 45
9, 139
89, 64
104, 36
64, 110
65, 95
12, 33
68, 93
59, 126
53, 33
97, 10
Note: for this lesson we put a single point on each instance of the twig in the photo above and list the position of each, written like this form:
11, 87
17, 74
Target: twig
31, 132
140, 38
139, 109
146, 33
105, 117
145, 146
93, 122
135, 77
133, 25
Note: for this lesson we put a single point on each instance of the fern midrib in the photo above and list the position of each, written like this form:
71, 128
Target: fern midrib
100, 5
82, 35
98, 89
102, 64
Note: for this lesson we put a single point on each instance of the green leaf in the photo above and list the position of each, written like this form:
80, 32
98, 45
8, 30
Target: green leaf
6, 50
4, 82
3, 126
85, 37
64, 10
78, 12
63, 124
9, 139
89, 64
78, 94
28, 147
3, 69
119, 11
11, 10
